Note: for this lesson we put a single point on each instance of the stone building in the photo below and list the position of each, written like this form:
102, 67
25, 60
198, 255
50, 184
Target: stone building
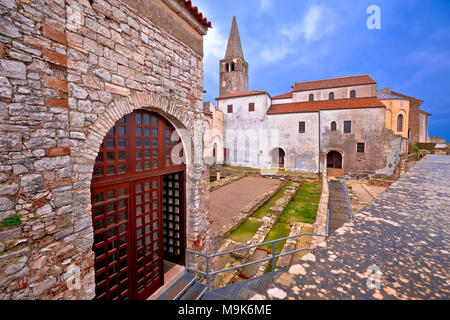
100, 103
417, 118
320, 125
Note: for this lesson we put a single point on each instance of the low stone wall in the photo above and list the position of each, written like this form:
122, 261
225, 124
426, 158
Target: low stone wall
245, 213
320, 226
225, 181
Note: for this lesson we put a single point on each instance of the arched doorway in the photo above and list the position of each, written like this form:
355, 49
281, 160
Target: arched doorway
278, 157
138, 206
334, 164
334, 160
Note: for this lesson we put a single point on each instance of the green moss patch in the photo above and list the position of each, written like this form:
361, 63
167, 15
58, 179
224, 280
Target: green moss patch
246, 231
265, 208
13, 221
303, 206
279, 230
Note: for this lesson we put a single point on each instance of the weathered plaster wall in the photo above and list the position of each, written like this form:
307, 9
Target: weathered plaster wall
393, 109
69, 71
423, 127
302, 149
369, 90
368, 126
242, 129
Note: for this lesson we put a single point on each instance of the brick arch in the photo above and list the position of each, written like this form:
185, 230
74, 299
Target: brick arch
126, 105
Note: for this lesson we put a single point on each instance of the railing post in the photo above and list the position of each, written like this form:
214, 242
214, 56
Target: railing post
207, 273
273, 257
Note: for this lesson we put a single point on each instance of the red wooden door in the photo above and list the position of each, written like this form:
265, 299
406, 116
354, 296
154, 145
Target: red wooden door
127, 202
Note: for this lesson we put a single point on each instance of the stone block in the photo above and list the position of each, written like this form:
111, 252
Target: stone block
55, 58
13, 69
10, 234
53, 34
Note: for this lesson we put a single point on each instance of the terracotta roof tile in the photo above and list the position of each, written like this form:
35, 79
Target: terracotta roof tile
188, 4
317, 106
242, 94
333, 83
283, 96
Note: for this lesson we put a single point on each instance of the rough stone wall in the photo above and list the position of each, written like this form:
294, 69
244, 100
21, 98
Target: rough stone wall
233, 81
68, 72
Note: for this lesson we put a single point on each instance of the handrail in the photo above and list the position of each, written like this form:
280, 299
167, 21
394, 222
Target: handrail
208, 273
347, 198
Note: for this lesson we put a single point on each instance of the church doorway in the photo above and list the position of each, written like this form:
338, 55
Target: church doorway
278, 158
138, 207
334, 164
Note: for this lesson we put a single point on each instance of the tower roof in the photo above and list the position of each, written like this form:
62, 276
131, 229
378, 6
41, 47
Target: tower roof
234, 48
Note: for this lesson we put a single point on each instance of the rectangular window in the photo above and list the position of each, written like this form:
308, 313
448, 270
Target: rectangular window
361, 147
251, 107
347, 127
301, 127
230, 108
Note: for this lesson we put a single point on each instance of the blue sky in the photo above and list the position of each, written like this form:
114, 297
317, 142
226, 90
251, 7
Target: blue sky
302, 40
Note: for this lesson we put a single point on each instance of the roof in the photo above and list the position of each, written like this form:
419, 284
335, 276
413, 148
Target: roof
388, 90
333, 83
234, 47
194, 10
242, 94
283, 96
388, 96
316, 106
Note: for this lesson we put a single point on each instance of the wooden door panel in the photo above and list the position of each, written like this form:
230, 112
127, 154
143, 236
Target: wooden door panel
111, 216
148, 236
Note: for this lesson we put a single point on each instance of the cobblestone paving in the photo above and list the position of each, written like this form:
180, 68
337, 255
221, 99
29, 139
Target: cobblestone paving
404, 232
228, 201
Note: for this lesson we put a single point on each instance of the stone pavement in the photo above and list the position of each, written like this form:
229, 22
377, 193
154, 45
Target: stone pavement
228, 201
403, 234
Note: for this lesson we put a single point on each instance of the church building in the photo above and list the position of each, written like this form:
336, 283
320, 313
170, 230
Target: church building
335, 124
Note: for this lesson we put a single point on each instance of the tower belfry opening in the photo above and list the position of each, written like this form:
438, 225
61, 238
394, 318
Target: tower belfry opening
234, 68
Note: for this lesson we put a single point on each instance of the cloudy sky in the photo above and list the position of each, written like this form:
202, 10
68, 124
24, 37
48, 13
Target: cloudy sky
302, 40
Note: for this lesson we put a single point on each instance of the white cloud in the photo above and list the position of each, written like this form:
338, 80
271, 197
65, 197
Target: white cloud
317, 22
266, 4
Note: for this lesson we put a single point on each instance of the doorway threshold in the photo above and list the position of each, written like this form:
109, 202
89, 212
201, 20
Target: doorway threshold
172, 273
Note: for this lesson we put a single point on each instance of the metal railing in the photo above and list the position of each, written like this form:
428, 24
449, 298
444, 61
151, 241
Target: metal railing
347, 198
208, 273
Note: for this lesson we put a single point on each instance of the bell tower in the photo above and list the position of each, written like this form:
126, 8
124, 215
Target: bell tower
234, 68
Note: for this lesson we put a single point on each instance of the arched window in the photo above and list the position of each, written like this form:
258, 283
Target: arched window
352, 94
331, 96
400, 123
227, 67
311, 98
333, 126
232, 66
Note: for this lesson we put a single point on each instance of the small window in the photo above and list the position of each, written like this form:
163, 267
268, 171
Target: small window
352, 94
232, 66
227, 67
230, 108
400, 123
331, 96
361, 147
302, 127
311, 98
347, 127
251, 107
333, 126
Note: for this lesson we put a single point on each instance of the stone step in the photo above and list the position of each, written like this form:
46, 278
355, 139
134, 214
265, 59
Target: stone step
196, 292
179, 288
